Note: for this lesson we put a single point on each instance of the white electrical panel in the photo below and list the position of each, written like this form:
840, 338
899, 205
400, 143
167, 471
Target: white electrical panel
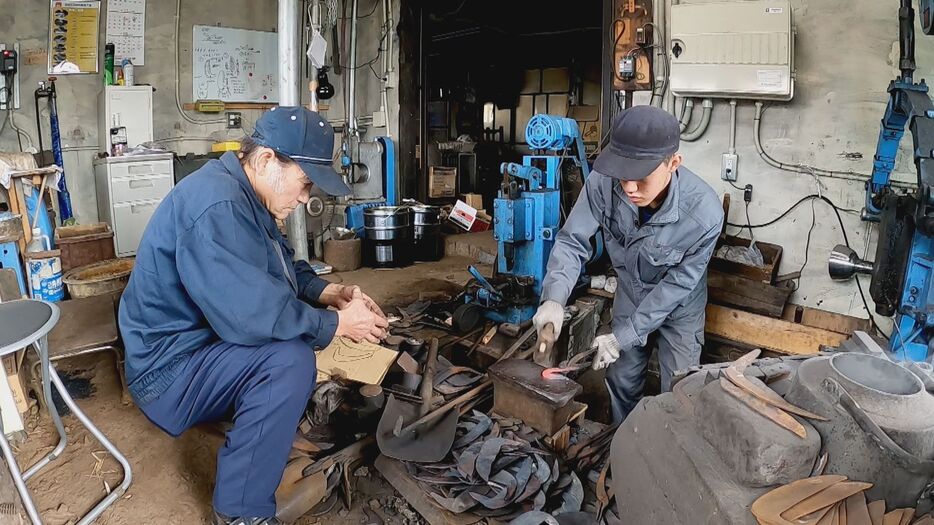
739, 49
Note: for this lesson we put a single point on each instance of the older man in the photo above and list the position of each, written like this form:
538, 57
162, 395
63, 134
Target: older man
660, 222
219, 322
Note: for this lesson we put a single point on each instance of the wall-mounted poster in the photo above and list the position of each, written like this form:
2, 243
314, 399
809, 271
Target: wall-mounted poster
74, 29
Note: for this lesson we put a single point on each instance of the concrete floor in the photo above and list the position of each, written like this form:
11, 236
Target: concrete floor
173, 478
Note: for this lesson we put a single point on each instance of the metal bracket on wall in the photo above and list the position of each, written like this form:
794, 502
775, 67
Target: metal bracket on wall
16, 81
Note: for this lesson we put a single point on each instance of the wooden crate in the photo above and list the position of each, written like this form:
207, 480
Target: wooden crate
771, 254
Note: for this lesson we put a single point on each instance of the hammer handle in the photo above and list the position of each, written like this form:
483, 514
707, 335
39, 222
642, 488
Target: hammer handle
428, 378
445, 408
547, 337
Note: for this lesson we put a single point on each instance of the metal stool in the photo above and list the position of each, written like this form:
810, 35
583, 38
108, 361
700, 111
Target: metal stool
27, 323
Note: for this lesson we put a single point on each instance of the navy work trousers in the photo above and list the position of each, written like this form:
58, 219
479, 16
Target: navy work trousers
264, 389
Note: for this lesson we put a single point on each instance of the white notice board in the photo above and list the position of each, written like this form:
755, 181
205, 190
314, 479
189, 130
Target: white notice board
235, 65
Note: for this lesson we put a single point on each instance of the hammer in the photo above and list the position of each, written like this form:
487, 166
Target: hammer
546, 339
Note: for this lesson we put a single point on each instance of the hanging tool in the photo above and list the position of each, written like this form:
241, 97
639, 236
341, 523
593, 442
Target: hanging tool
47, 90
423, 439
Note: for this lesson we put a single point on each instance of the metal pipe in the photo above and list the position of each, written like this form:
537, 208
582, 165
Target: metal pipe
352, 82
387, 61
687, 112
733, 127
289, 95
701, 128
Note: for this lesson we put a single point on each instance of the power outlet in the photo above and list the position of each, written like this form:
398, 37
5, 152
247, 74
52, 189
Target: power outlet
234, 120
728, 166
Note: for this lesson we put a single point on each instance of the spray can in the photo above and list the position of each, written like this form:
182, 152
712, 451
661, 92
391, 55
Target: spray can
109, 52
127, 72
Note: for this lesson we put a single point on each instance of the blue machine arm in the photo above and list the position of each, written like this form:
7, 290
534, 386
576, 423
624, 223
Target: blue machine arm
904, 265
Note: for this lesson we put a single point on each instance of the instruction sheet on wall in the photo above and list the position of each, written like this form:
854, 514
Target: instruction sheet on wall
234, 65
126, 30
73, 39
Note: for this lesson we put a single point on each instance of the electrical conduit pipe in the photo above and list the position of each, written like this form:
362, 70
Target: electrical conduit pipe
701, 128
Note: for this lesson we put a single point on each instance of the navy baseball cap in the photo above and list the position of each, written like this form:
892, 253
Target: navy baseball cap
303, 136
641, 138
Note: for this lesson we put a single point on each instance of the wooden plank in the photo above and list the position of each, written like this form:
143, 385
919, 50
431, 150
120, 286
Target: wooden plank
748, 294
831, 321
416, 496
189, 106
363, 362
764, 332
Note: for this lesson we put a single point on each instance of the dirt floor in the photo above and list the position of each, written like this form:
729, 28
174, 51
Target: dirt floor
173, 478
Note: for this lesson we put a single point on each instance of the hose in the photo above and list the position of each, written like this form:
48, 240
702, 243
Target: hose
701, 128
687, 111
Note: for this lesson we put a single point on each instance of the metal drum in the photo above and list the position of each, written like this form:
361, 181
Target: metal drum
388, 239
426, 230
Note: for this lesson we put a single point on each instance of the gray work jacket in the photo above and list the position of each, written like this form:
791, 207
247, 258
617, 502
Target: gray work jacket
661, 265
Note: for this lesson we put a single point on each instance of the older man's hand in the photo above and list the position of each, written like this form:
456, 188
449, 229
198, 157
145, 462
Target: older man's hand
340, 296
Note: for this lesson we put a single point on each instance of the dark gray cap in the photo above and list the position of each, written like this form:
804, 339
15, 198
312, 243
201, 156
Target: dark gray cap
641, 138
307, 139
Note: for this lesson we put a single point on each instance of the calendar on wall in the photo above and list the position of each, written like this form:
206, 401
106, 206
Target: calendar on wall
126, 29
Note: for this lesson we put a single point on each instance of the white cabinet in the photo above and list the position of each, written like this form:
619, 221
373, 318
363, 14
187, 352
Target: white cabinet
128, 191
126, 106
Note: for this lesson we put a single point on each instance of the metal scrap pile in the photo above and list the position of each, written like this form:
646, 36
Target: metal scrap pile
829, 500
497, 469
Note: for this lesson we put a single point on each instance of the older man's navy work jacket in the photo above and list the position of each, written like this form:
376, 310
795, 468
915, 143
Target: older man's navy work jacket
212, 266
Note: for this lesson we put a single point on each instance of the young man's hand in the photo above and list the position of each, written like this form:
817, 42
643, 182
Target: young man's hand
340, 296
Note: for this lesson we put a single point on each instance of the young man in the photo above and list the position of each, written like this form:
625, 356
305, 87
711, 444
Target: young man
660, 223
219, 322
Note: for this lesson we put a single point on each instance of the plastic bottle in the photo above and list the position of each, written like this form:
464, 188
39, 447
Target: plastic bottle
39, 242
127, 72
109, 51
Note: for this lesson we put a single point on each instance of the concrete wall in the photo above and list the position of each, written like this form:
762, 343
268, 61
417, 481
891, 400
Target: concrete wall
26, 22
846, 54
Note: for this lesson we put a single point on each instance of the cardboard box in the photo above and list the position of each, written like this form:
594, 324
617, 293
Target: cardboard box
474, 200
11, 369
442, 182
469, 218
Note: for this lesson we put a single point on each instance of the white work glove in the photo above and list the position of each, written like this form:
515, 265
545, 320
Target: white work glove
607, 351
549, 312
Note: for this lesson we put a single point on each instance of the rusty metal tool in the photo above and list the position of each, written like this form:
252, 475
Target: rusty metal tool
770, 506
554, 373
422, 440
775, 415
735, 373
513, 329
876, 511
825, 498
518, 344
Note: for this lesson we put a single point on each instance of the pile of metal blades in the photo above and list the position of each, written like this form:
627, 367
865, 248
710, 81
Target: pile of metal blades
496, 470
829, 500
762, 399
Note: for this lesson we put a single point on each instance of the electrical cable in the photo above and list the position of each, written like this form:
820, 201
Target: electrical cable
178, 100
846, 241
375, 5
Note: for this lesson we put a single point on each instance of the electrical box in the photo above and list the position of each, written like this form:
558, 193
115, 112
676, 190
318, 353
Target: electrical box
125, 106
740, 49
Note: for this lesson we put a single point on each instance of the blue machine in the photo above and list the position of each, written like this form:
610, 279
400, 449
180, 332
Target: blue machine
902, 273
526, 217
388, 169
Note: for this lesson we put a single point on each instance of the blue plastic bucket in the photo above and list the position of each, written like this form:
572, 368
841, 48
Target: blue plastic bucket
45, 275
